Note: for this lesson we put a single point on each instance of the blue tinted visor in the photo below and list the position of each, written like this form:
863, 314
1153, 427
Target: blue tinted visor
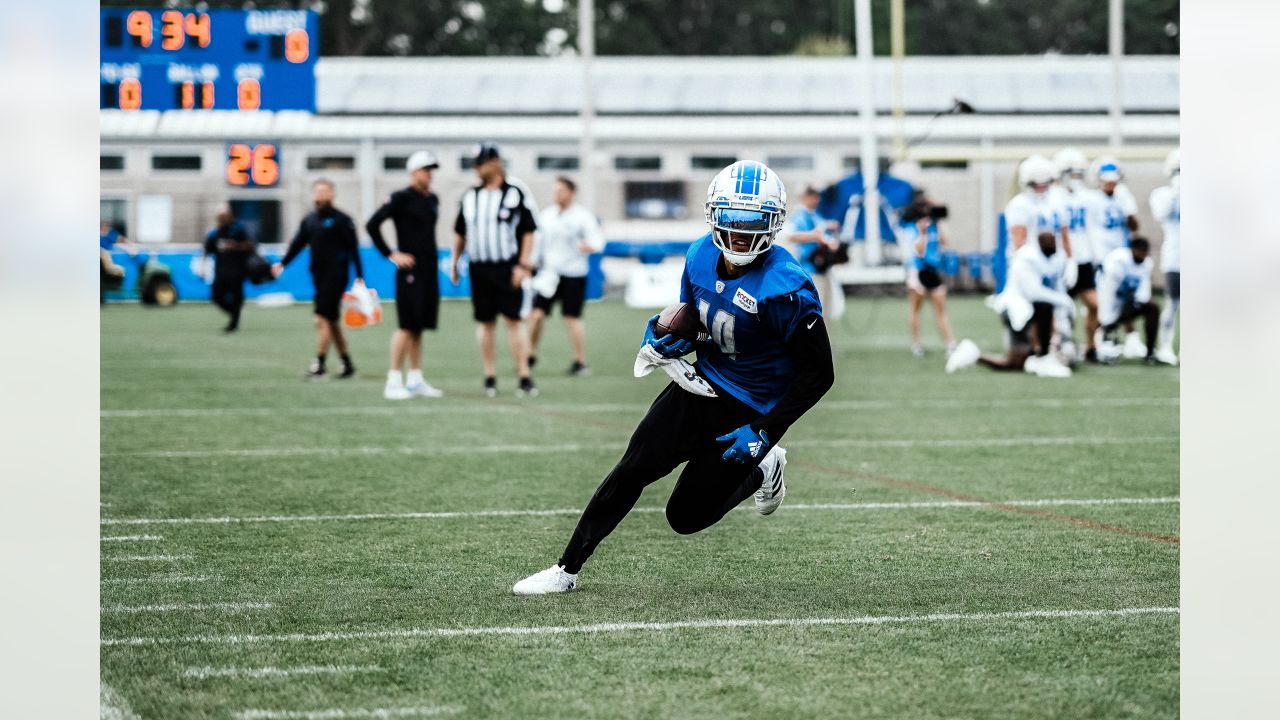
747, 221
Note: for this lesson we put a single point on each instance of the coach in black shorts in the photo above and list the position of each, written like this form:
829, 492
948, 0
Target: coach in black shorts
495, 227
331, 234
414, 211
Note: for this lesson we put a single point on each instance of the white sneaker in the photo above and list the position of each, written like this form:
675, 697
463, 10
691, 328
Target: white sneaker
396, 392
1031, 365
965, 355
1166, 355
1049, 366
773, 489
424, 389
1134, 348
552, 580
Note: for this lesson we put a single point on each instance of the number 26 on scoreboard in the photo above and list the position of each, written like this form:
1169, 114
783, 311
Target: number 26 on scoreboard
253, 165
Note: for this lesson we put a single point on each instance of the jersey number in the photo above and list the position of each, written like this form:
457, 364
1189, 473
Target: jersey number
721, 327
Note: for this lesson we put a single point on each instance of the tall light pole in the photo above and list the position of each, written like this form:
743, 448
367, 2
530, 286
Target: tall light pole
587, 111
1115, 47
870, 162
898, 49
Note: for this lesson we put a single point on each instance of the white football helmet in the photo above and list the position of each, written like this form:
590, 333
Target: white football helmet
1107, 169
1173, 162
1036, 173
746, 198
1072, 165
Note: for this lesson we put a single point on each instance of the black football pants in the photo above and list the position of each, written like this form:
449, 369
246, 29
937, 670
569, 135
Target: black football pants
679, 427
228, 294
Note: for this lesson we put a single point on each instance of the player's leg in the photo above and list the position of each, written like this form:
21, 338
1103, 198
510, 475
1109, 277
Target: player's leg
578, 342
1169, 318
915, 301
573, 297
486, 333
939, 299
510, 302
1019, 348
236, 303
537, 316
1150, 313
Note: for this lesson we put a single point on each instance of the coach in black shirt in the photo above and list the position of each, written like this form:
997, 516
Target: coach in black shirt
495, 226
331, 234
414, 211
231, 248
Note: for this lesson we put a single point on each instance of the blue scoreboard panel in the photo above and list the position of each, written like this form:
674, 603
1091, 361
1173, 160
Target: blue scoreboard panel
156, 59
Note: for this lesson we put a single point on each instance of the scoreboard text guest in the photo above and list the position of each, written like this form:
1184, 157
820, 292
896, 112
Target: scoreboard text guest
155, 59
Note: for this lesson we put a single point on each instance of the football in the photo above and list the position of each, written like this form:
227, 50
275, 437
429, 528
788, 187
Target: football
681, 320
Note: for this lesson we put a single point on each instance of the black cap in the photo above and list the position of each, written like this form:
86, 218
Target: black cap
484, 152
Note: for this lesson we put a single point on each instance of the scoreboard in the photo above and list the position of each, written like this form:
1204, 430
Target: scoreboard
173, 59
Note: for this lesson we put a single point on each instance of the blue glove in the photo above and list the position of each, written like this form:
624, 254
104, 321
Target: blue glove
747, 443
668, 346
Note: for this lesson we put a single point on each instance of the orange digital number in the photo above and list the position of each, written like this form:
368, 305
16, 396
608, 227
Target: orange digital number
249, 94
188, 95
139, 26
266, 171
171, 32
239, 162
297, 46
206, 96
199, 29
130, 94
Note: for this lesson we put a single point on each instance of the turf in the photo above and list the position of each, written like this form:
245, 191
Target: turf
201, 425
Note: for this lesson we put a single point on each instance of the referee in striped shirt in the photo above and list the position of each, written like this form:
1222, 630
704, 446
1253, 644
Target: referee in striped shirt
495, 227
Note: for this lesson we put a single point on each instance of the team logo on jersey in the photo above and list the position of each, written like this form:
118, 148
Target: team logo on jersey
744, 301
719, 286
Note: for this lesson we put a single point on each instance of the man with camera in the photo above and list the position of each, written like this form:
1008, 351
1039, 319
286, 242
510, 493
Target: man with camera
925, 239
807, 235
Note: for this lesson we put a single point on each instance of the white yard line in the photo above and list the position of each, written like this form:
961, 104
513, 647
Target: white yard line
184, 607
586, 408
420, 633
204, 673
543, 449
131, 538
346, 713
111, 706
158, 579
147, 558
445, 515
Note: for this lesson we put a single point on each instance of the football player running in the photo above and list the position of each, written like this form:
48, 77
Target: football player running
1072, 194
767, 362
1166, 207
1124, 294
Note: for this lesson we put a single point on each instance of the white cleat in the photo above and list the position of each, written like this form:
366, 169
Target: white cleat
552, 580
424, 389
1050, 367
1134, 348
396, 392
772, 489
1166, 356
965, 355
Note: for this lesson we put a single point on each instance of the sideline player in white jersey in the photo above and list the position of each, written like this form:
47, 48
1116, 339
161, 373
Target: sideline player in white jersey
1073, 193
1166, 207
1124, 294
1036, 289
1035, 210
1111, 216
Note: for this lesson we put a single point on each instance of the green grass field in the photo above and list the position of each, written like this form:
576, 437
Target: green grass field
976, 546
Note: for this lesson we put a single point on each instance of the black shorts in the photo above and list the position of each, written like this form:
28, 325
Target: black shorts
1086, 279
329, 289
1173, 284
417, 298
491, 291
930, 278
572, 294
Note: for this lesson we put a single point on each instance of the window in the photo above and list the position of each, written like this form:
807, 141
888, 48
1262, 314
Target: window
176, 162
260, 218
394, 162
711, 162
637, 162
655, 200
116, 212
111, 162
852, 164
944, 165
557, 162
331, 162
791, 162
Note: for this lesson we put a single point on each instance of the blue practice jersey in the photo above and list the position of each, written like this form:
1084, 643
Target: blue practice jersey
751, 319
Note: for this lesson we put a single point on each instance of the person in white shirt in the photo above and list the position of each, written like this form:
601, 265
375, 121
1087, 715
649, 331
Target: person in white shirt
1111, 215
1124, 294
1072, 193
1035, 290
1035, 210
567, 234
1166, 207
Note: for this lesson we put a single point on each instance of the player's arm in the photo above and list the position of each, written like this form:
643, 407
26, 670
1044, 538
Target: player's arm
1031, 288
593, 236
524, 230
353, 245
296, 245
459, 245
374, 227
813, 376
